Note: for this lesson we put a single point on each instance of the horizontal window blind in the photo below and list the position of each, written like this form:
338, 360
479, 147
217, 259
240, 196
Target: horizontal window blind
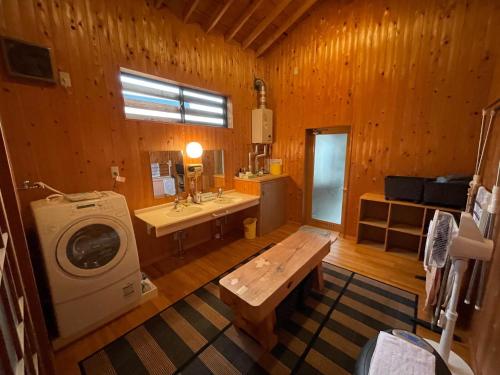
155, 100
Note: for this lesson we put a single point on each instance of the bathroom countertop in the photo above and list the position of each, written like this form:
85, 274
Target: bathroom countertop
160, 220
264, 178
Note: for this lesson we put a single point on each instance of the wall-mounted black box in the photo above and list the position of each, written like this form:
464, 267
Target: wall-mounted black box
27, 60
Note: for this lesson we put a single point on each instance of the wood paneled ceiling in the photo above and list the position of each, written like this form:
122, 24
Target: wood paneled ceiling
255, 24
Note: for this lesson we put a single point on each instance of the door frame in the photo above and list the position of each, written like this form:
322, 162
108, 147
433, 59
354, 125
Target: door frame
37, 339
309, 176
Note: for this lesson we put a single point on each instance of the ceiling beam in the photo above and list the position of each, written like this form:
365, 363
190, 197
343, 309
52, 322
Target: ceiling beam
289, 22
265, 22
222, 9
245, 16
190, 9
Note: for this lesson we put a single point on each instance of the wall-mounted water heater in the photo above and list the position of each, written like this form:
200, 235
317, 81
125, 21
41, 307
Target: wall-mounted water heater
262, 125
262, 117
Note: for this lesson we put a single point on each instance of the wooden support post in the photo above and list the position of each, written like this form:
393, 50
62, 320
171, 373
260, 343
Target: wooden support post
275, 12
285, 26
318, 281
190, 9
264, 332
222, 10
243, 19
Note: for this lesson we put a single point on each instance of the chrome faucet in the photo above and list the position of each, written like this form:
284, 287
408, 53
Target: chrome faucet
176, 202
219, 193
197, 198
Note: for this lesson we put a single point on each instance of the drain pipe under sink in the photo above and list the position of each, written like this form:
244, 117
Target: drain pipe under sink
259, 156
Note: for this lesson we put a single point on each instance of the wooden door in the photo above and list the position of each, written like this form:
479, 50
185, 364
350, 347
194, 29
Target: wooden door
327, 175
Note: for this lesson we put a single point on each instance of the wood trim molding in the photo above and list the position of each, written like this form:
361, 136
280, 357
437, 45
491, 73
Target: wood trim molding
190, 9
245, 16
265, 22
289, 22
222, 10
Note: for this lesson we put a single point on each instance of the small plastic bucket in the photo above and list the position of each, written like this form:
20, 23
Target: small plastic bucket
276, 167
250, 226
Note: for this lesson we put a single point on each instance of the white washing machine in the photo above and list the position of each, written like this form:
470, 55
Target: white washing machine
91, 260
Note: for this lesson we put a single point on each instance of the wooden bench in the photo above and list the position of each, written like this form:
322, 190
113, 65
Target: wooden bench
255, 289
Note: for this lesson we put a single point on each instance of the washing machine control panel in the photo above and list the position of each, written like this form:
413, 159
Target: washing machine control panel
91, 207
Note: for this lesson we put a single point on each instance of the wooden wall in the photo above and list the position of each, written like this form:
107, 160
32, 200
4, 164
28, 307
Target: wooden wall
485, 327
69, 138
410, 77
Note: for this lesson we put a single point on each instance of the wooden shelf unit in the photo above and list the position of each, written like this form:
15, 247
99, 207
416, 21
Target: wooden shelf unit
396, 226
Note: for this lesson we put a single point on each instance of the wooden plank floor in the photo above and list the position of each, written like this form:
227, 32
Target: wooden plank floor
176, 278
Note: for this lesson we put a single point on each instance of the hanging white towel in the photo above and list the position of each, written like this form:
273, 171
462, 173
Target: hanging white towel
395, 356
158, 188
169, 185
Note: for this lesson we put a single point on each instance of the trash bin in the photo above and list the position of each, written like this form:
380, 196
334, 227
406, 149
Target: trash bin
250, 225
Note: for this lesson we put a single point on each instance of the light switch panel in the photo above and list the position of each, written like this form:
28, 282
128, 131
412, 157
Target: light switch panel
65, 79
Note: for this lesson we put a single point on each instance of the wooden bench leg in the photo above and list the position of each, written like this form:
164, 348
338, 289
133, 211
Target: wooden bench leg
264, 332
318, 281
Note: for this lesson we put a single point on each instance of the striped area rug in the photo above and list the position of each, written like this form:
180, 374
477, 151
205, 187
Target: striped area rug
321, 336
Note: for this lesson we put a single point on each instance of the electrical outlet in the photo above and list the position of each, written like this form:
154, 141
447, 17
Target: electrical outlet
65, 79
115, 171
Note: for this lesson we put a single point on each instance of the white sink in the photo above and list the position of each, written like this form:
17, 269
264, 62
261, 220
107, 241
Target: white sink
184, 211
164, 219
225, 200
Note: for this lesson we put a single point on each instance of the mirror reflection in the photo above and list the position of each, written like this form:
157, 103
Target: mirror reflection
213, 169
167, 172
169, 176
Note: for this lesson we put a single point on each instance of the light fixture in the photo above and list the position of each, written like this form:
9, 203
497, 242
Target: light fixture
194, 150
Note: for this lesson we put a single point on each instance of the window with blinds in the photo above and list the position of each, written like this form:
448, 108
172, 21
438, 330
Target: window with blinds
153, 99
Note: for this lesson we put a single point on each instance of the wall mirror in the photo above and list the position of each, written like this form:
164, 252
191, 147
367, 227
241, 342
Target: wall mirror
213, 170
167, 173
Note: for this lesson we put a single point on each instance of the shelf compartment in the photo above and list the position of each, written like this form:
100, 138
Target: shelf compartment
374, 213
375, 222
401, 242
406, 228
371, 236
406, 217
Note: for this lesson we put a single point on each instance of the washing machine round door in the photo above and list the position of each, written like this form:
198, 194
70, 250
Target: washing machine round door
92, 246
